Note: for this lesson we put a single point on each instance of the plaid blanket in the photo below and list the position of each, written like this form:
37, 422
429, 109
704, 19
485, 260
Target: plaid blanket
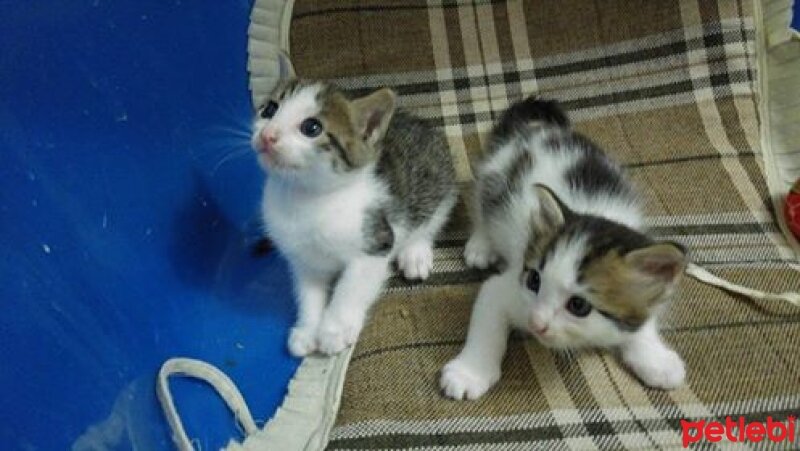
668, 88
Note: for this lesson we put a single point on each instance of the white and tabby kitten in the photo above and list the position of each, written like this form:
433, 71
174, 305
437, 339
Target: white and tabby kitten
579, 268
352, 185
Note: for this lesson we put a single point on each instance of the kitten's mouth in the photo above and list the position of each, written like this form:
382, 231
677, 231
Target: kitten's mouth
268, 153
544, 338
270, 159
265, 148
273, 160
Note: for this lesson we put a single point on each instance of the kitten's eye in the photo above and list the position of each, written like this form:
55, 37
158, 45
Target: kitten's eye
533, 281
269, 110
579, 306
311, 127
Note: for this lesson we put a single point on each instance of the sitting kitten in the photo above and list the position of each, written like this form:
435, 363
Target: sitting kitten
580, 271
352, 185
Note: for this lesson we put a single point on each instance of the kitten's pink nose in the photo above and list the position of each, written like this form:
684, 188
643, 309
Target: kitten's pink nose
269, 137
538, 326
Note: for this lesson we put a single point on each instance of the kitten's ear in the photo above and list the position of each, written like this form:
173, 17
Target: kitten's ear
552, 212
285, 67
372, 113
662, 262
545, 222
284, 85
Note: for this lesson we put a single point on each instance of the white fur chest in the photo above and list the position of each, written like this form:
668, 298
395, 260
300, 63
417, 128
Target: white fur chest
317, 229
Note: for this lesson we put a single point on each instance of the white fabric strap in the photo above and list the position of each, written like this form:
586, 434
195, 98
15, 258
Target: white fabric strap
207, 373
704, 276
302, 423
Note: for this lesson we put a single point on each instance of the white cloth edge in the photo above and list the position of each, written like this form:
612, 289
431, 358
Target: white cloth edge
268, 39
306, 417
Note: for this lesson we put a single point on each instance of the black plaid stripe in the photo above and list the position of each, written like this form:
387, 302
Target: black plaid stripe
594, 423
714, 37
635, 424
378, 8
462, 86
713, 41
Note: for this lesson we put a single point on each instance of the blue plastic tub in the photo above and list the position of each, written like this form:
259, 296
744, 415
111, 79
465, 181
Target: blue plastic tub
128, 203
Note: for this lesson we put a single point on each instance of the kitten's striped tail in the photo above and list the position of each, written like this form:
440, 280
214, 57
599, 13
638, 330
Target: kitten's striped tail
529, 111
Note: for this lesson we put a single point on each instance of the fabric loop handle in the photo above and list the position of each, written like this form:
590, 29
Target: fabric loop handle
208, 373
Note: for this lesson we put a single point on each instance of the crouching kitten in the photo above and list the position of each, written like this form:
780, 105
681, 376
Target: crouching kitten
352, 185
579, 268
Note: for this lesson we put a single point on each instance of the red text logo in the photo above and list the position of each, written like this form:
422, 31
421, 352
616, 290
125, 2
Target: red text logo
738, 431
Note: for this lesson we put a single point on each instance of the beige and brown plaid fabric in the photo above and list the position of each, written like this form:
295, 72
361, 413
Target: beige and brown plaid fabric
668, 87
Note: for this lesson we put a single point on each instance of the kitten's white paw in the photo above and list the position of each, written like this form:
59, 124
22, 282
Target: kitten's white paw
478, 252
302, 341
661, 368
461, 380
335, 335
416, 260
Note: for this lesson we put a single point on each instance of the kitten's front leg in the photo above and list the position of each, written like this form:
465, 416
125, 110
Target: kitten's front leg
477, 367
358, 287
312, 294
415, 260
651, 360
478, 252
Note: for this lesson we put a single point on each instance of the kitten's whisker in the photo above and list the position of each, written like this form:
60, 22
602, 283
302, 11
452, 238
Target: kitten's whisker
239, 118
233, 113
224, 130
228, 142
229, 157
214, 148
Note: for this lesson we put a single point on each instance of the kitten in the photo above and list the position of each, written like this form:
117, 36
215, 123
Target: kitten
352, 185
580, 271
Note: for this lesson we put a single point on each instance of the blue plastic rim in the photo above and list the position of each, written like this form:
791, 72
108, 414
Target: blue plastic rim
128, 203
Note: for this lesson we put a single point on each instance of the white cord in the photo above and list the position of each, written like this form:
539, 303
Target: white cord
704, 276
